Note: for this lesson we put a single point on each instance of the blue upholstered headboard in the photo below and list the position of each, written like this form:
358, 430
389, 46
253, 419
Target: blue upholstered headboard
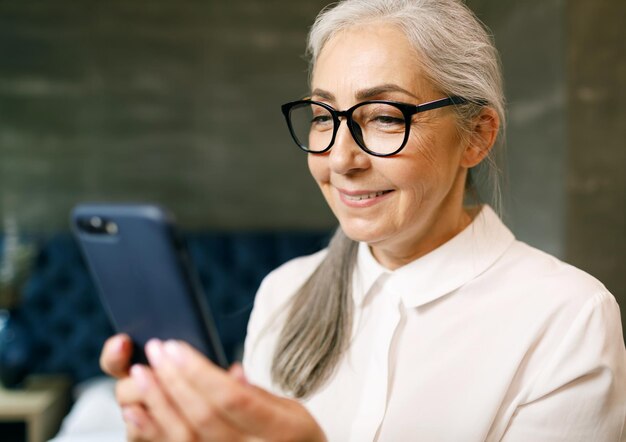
60, 325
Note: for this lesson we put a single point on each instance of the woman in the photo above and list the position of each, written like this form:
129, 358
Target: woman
423, 320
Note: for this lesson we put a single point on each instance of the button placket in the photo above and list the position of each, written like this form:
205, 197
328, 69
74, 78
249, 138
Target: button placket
373, 404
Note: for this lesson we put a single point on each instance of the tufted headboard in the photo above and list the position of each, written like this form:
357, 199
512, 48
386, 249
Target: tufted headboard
60, 325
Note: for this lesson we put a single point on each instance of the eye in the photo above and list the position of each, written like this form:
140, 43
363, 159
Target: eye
386, 119
380, 117
389, 120
321, 119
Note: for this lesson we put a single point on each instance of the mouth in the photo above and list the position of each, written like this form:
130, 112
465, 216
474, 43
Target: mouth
362, 198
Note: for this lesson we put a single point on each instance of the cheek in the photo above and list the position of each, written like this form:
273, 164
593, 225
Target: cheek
436, 154
423, 174
318, 166
416, 183
423, 145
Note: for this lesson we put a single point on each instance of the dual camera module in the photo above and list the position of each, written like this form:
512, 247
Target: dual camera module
97, 225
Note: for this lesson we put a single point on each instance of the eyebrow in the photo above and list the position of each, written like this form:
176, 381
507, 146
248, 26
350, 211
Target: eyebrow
323, 94
364, 94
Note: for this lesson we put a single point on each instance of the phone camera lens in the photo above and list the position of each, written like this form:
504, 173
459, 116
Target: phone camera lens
111, 228
96, 222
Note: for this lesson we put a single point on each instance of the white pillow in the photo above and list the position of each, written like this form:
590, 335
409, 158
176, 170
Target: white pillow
95, 416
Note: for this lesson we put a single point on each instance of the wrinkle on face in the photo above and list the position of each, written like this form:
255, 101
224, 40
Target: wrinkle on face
425, 206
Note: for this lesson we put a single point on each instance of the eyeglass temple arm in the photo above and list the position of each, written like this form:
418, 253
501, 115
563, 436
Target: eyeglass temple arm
436, 104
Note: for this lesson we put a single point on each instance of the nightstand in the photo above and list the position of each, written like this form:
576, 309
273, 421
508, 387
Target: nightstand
39, 408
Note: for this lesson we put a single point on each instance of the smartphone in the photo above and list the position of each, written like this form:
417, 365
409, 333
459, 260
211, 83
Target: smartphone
144, 276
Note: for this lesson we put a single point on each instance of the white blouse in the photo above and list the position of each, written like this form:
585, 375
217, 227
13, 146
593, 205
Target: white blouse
483, 339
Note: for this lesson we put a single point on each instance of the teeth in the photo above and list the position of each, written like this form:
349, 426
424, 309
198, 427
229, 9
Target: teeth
364, 196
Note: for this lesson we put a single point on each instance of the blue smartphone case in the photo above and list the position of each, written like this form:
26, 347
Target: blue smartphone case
146, 280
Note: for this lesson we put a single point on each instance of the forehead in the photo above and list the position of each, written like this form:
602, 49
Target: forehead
367, 56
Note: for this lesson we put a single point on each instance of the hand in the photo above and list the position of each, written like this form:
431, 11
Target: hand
187, 398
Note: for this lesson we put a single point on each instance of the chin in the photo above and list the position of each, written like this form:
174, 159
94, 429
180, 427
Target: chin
362, 232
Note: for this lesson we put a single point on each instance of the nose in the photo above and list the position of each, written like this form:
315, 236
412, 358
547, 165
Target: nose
345, 155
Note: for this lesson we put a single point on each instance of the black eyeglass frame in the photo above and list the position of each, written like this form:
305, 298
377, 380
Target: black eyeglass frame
408, 110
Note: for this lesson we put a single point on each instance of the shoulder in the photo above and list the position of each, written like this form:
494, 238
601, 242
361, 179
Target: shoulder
558, 309
543, 302
577, 329
561, 323
520, 277
539, 276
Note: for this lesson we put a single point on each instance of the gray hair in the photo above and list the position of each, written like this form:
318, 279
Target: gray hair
455, 51
458, 57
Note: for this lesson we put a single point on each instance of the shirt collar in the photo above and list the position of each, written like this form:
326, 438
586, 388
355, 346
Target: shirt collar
441, 271
368, 271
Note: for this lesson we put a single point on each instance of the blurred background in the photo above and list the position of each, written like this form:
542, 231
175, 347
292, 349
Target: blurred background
177, 102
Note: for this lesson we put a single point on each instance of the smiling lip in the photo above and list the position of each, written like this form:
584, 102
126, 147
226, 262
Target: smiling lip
362, 198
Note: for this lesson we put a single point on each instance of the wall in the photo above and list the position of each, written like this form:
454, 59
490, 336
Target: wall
173, 102
596, 183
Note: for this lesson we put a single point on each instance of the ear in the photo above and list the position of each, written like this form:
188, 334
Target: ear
482, 138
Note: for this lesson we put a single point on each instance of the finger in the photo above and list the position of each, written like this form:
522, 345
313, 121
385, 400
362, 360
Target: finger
194, 404
127, 392
190, 377
139, 424
168, 421
116, 354
250, 409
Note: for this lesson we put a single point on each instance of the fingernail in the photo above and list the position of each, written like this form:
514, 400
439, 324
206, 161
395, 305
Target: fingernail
130, 417
118, 344
140, 376
154, 351
175, 351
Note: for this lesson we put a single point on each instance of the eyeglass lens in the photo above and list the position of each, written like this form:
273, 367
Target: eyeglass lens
379, 127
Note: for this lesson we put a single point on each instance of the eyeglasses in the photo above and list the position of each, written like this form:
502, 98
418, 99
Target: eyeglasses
381, 128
